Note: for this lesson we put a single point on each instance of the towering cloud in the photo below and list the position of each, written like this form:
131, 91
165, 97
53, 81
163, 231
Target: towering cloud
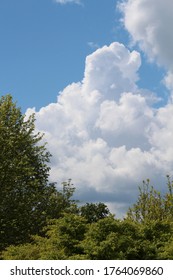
104, 131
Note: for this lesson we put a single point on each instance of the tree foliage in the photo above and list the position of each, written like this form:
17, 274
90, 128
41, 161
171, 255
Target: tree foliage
27, 198
151, 205
61, 241
94, 211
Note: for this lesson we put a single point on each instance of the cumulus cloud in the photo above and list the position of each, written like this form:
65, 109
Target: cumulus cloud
150, 24
104, 133
68, 1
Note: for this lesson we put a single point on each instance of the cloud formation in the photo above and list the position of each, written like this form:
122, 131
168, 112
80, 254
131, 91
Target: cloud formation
149, 23
104, 133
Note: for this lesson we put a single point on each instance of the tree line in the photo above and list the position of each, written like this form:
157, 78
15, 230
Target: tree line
39, 221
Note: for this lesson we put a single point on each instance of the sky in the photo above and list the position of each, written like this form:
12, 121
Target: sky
99, 77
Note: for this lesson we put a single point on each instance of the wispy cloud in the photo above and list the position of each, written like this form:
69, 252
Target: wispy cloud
63, 2
93, 45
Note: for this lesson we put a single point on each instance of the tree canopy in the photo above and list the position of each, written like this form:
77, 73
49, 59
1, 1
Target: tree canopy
75, 235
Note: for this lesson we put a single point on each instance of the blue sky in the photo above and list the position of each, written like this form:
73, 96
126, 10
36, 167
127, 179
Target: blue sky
44, 45
100, 83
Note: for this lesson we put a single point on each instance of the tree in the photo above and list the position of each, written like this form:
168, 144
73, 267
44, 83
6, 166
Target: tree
94, 211
151, 205
26, 193
153, 212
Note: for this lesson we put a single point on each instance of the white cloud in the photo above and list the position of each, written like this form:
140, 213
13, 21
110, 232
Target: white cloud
104, 134
111, 71
68, 1
150, 24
